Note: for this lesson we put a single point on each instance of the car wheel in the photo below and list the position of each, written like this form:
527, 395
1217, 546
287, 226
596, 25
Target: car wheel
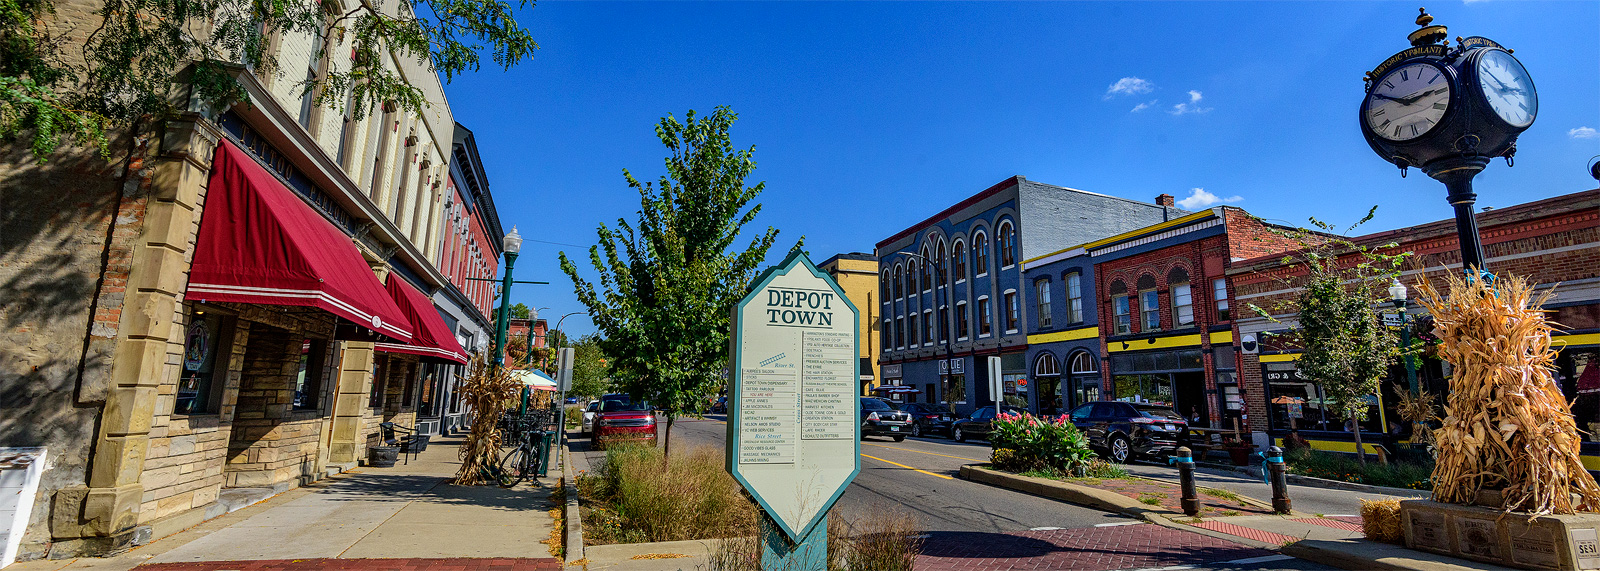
899, 437
958, 435
916, 430
1119, 449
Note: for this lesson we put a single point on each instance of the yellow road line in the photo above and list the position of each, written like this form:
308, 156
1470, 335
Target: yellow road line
922, 452
908, 467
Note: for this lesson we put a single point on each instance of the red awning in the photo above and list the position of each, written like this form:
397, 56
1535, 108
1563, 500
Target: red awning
432, 337
259, 243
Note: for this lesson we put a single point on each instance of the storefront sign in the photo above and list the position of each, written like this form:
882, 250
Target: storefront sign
958, 365
891, 371
794, 421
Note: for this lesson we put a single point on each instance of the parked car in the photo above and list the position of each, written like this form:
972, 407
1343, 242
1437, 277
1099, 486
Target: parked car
928, 418
880, 419
977, 424
1121, 430
621, 420
589, 413
572, 400
719, 407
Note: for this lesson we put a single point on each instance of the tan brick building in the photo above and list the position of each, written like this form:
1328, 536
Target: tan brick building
857, 274
162, 403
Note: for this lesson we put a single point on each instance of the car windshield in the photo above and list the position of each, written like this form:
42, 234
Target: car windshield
874, 404
619, 406
1158, 413
594, 406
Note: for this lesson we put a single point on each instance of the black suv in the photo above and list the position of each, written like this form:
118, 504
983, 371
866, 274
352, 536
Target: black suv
979, 423
880, 419
1124, 430
928, 418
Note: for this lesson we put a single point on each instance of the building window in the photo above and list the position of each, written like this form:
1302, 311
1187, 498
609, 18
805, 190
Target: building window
944, 324
1074, 298
380, 382
1119, 308
899, 282
886, 335
980, 255
911, 330
1042, 290
1013, 310
927, 277
308, 382
1219, 288
984, 317
961, 321
939, 264
883, 287
199, 391
1008, 245
958, 261
900, 332
1182, 298
927, 326
1149, 304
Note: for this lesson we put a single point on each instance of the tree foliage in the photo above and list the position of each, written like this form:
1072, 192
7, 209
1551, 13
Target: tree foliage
668, 281
142, 55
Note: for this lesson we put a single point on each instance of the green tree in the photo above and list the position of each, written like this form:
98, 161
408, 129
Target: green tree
516, 311
668, 281
589, 367
1345, 347
143, 55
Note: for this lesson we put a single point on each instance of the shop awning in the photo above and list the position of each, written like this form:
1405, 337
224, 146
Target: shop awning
259, 243
534, 378
430, 336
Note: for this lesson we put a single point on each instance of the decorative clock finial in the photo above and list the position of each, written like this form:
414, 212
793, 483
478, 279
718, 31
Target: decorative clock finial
1429, 34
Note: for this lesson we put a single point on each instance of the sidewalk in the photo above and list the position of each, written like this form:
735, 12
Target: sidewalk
401, 518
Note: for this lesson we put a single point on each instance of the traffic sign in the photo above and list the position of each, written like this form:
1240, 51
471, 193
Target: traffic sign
794, 423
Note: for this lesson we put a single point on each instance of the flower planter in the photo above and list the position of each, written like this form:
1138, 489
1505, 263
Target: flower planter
1509, 539
382, 456
1240, 455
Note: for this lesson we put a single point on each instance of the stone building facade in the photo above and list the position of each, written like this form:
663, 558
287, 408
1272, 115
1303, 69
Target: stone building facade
162, 405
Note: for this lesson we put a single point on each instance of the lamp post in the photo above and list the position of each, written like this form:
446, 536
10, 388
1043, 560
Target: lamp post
1397, 296
533, 320
513, 246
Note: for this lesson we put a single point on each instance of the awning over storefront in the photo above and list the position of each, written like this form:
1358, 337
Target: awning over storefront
535, 379
259, 243
431, 337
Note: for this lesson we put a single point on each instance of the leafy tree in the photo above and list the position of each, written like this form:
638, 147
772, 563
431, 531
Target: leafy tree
668, 281
589, 367
516, 311
1346, 348
141, 54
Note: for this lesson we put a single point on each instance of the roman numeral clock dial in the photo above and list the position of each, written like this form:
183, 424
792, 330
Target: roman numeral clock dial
1407, 102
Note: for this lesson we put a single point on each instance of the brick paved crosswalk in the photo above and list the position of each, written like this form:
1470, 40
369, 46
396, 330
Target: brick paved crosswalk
1084, 549
451, 564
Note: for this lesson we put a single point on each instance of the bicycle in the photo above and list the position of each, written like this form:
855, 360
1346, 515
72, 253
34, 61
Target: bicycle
523, 461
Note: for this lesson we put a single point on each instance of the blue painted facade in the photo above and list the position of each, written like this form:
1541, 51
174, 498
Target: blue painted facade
1063, 373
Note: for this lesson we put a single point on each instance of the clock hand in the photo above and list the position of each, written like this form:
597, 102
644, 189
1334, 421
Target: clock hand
1414, 98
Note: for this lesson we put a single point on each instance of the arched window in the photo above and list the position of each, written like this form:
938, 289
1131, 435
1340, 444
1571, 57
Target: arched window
1046, 366
980, 254
883, 287
1149, 304
1182, 297
1007, 243
1121, 318
927, 270
899, 281
1083, 362
939, 263
911, 277
958, 260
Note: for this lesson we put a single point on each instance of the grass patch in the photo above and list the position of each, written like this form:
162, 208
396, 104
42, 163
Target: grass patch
574, 417
1224, 494
632, 498
885, 538
1345, 468
1151, 499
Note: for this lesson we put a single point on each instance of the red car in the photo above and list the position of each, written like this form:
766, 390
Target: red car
623, 421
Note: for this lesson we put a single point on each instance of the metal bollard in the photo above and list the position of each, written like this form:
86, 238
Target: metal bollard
1190, 501
1280, 484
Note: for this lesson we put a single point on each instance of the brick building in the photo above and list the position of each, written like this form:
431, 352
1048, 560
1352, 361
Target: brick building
857, 274
226, 309
1555, 242
952, 289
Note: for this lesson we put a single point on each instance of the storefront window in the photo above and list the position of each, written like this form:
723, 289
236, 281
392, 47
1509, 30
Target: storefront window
197, 391
1578, 374
1298, 404
308, 381
955, 389
1155, 389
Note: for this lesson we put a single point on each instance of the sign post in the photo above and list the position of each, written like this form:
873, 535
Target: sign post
996, 386
794, 421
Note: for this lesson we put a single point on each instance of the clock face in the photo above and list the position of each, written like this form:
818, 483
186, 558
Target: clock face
1407, 102
1507, 88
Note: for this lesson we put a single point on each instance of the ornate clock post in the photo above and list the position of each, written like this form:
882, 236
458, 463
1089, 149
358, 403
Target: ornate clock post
1448, 111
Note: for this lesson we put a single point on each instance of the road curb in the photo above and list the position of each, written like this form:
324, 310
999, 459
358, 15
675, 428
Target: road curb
1246, 499
573, 516
1300, 480
1362, 555
1070, 493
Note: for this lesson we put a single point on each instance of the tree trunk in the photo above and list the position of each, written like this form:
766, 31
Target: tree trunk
1355, 427
666, 440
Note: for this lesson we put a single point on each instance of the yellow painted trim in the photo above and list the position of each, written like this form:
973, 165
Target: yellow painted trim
1202, 215
1037, 258
1337, 446
1285, 358
1069, 335
1222, 338
1161, 343
1584, 339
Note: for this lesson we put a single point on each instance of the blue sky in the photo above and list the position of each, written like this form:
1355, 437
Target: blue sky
870, 116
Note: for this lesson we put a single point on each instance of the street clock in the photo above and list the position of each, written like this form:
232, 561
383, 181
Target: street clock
1448, 110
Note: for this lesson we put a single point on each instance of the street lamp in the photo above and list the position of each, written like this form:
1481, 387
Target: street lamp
533, 319
1397, 296
512, 245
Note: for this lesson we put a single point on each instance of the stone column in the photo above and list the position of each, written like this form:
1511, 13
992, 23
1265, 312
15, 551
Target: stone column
350, 403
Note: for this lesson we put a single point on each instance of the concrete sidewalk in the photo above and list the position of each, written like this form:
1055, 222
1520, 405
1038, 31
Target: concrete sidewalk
408, 512
1335, 541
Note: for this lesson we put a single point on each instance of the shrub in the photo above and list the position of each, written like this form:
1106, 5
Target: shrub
634, 499
574, 417
1050, 444
1345, 468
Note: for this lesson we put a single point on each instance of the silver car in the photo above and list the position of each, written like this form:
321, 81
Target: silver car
587, 427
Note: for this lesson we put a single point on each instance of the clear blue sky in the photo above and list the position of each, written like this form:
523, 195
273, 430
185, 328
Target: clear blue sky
870, 116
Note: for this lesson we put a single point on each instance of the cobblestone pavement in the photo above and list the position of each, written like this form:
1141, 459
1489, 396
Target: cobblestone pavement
451, 564
1137, 546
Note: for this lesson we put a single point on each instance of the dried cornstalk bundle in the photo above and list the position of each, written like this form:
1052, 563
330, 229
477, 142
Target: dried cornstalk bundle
1418, 410
1506, 424
487, 390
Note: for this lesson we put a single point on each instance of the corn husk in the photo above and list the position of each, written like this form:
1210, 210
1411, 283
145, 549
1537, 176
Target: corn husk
1506, 425
487, 390
1380, 520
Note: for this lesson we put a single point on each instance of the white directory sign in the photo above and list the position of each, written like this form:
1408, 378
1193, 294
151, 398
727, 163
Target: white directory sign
794, 420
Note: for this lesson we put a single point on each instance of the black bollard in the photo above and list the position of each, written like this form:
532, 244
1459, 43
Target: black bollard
1191, 501
1280, 484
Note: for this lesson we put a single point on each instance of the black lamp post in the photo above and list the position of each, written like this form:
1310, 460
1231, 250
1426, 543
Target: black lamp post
1448, 111
1397, 296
